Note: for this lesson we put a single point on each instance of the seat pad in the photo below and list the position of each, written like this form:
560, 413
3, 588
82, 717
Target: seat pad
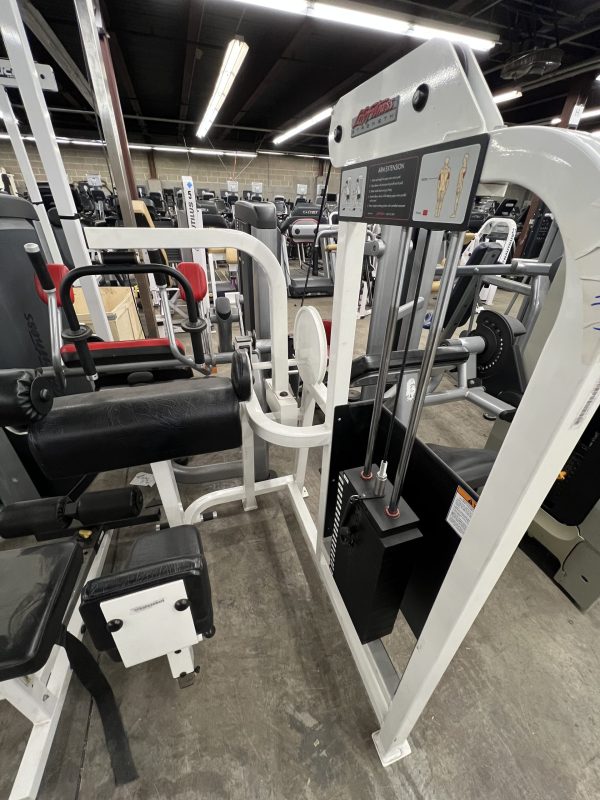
156, 559
36, 584
125, 352
472, 464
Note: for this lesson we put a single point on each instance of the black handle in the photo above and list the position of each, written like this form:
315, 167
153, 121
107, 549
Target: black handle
197, 343
77, 332
38, 262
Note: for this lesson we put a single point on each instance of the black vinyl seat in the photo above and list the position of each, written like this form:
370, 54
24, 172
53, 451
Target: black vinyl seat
36, 584
472, 464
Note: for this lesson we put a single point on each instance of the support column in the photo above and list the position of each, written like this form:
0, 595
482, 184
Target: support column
97, 54
21, 60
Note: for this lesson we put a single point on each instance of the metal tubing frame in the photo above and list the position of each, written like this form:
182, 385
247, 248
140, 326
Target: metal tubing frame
557, 165
388, 343
431, 346
177, 238
47, 238
21, 59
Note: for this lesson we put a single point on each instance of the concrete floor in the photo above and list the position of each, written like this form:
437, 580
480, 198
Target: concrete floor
278, 711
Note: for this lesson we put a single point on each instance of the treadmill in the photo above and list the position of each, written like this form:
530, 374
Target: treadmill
301, 225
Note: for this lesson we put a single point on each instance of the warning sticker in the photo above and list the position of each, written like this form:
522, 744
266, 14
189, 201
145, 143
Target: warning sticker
461, 510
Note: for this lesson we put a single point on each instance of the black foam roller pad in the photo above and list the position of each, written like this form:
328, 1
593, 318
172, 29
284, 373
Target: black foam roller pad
131, 426
97, 508
34, 518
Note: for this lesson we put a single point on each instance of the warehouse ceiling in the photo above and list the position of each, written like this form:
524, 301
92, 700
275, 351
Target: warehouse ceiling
167, 54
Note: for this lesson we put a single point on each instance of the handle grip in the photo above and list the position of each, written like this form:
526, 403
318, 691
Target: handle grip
39, 264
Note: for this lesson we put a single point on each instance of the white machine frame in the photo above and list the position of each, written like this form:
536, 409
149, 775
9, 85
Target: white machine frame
559, 165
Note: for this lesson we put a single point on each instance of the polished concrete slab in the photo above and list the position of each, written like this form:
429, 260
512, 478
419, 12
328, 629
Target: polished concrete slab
278, 711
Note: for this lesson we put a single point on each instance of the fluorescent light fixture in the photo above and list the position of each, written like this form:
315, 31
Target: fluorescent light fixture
201, 151
4, 136
140, 147
555, 121
236, 52
358, 15
87, 142
302, 126
591, 113
506, 97
168, 149
361, 19
598, 77
474, 42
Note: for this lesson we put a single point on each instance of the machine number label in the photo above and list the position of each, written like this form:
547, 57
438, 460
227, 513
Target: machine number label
432, 188
461, 511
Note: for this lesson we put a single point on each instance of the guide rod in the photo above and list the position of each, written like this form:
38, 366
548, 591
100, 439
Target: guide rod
435, 331
388, 343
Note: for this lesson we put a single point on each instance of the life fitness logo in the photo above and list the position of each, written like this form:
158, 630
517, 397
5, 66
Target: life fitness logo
381, 113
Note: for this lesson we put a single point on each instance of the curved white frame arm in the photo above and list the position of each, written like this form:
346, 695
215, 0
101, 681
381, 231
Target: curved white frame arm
176, 238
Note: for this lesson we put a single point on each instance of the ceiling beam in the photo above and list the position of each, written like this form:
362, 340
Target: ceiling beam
79, 111
52, 44
192, 55
122, 70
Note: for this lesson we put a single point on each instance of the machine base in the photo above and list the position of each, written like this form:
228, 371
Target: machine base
387, 759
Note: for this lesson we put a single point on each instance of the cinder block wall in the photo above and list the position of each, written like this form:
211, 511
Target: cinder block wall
278, 174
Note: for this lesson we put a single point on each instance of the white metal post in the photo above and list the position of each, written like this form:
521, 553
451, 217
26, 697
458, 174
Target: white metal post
168, 491
249, 501
47, 240
351, 242
307, 414
19, 53
556, 165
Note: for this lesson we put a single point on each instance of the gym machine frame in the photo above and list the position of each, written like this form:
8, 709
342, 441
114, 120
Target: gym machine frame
554, 164
558, 165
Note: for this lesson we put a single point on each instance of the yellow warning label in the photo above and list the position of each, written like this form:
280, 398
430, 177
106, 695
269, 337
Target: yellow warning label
461, 510
466, 496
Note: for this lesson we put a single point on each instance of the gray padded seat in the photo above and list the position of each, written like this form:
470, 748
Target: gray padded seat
472, 464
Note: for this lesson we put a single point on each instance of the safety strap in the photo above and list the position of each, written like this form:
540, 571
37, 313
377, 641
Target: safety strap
90, 675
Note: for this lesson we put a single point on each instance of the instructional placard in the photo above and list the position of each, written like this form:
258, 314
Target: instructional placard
233, 186
444, 184
433, 188
302, 189
257, 188
461, 510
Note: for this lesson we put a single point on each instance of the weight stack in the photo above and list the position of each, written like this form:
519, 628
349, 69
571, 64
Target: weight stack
372, 555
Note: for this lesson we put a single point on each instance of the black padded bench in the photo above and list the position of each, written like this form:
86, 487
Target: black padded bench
365, 369
36, 584
36, 587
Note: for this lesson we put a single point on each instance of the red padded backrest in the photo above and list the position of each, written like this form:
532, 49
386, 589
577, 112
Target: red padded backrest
197, 278
327, 326
57, 273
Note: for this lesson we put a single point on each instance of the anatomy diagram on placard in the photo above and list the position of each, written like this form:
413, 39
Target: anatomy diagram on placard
445, 183
460, 183
442, 186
